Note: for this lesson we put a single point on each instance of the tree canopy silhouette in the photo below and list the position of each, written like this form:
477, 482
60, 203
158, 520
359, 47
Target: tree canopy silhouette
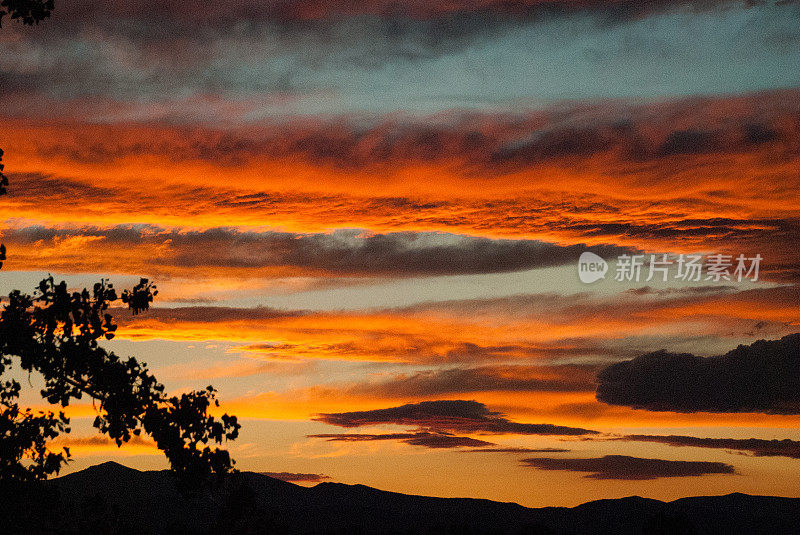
30, 12
55, 332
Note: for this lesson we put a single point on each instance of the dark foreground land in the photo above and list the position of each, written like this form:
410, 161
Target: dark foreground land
111, 498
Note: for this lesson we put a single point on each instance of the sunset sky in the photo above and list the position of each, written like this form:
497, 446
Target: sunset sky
364, 219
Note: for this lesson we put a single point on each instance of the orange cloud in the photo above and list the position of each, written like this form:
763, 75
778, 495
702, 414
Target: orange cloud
94, 445
684, 175
528, 327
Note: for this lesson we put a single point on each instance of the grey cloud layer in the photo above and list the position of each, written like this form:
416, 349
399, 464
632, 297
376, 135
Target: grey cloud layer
341, 252
203, 14
382, 63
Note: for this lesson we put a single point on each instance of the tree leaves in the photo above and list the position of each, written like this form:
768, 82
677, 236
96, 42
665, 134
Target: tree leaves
140, 297
24, 438
3, 191
55, 333
30, 12
3, 179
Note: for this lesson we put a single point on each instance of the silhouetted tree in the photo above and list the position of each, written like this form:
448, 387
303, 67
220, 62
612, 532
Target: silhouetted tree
3, 184
30, 12
55, 332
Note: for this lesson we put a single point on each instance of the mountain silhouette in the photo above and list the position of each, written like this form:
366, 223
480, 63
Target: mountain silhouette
111, 498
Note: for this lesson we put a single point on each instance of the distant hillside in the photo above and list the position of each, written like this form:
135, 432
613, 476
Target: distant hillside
110, 498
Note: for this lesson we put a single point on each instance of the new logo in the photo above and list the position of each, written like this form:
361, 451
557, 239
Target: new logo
591, 268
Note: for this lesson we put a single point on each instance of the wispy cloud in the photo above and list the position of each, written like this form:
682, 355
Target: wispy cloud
436, 440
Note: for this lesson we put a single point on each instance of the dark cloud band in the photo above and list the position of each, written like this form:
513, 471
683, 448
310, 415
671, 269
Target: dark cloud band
754, 446
345, 253
425, 439
456, 416
623, 467
762, 377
